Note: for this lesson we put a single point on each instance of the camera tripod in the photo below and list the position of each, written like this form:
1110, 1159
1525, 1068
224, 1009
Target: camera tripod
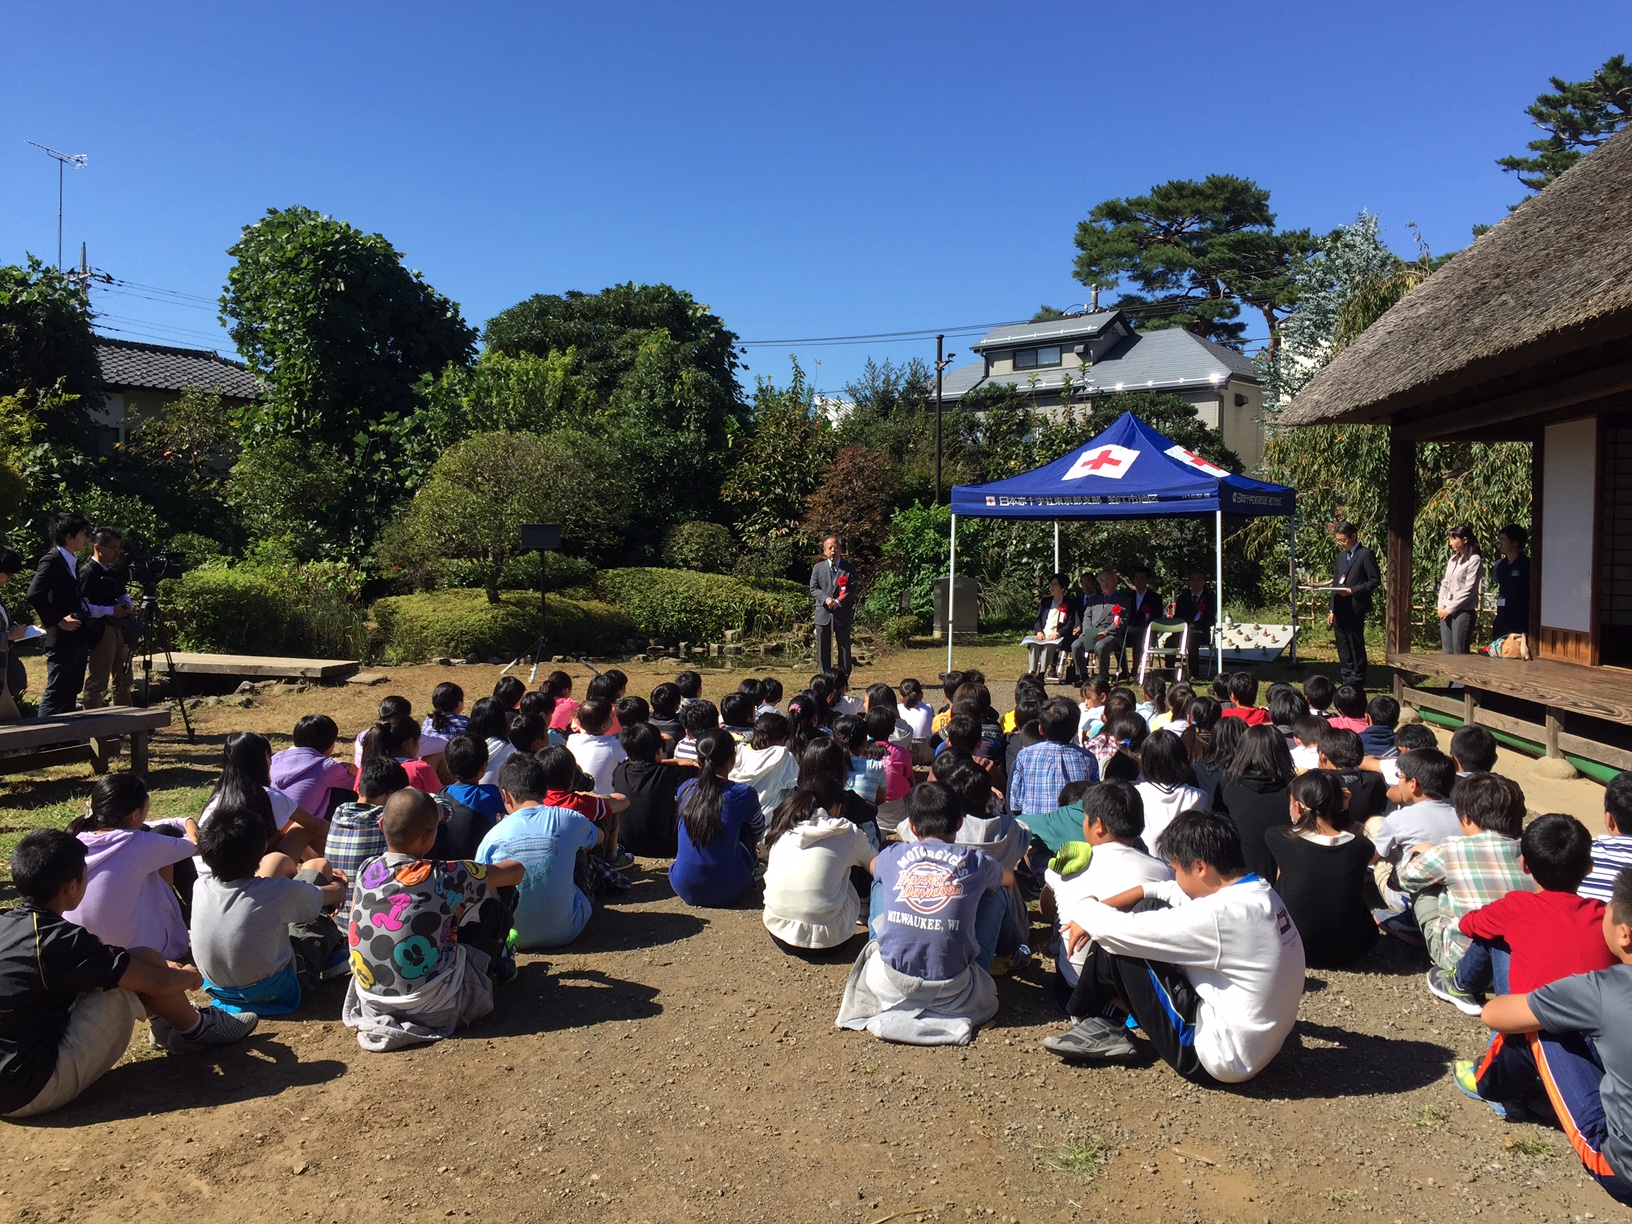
153, 631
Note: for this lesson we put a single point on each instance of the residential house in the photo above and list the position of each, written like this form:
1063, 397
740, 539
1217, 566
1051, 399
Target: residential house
1081, 358
140, 378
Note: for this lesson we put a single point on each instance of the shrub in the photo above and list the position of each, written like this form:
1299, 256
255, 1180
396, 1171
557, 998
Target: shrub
461, 623
309, 610
519, 573
699, 546
899, 630
196, 550
677, 605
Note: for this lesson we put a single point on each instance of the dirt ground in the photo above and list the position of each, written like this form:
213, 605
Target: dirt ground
673, 1065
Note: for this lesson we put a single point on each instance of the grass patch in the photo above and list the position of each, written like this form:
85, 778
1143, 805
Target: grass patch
1524, 1145
1431, 1118
1082, 1159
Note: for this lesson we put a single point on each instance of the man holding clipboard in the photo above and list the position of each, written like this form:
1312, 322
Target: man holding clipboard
1356, 576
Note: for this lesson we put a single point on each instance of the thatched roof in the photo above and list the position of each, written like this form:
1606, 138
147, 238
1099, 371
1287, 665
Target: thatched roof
1552, 279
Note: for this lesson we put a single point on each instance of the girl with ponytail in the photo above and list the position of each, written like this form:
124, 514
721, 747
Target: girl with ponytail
398, 738
812, 901
246, 784
720, 827
130, 897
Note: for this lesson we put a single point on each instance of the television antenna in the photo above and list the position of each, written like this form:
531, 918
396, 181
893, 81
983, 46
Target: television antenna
77, 161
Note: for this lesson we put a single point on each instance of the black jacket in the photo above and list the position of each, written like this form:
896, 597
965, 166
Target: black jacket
54, 594
1150, 608
1197, 611
1068, 623
1361, 576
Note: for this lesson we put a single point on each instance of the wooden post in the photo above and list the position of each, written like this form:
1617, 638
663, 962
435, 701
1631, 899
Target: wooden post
138, 752
1402, 515
1555, 723
1470, 707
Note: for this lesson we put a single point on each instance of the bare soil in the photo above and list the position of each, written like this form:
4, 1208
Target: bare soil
673, 1065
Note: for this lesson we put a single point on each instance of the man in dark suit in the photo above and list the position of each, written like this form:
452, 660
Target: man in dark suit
1355, 577
102, 587
1195, 608
1104, 626
54, 594
1144, 605
833, 593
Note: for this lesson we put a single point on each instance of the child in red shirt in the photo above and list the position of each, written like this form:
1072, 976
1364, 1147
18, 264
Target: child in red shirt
1244, 700
1525, 940
561, 778
1350, 704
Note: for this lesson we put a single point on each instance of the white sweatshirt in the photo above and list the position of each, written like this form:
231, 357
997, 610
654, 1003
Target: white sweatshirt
1240, 951
809, 900
1114, 868
773, 773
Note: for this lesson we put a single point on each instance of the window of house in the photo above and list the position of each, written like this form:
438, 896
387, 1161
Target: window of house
1031, 359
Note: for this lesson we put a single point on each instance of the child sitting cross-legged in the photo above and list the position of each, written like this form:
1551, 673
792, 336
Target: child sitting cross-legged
308, 772
1571, 1035
130, 895
766, 763
1612, 851
563, 779
426, 935
549, 840
720, 827
869, 763
1424, 816
936, 910
471, 806
1107, 861
811, 903
1525, 940
1382, 716
258, 925
354, 830
1209, 964
1244, 700
1462, 873
68, 1001
696, 717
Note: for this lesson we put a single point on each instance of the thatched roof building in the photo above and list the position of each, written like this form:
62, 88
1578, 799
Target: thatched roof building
1548, 290
1526, 336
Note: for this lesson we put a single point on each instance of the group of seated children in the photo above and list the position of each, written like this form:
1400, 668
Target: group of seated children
1193, 852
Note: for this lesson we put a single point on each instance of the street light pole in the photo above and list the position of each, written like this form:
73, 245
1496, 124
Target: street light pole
940, 364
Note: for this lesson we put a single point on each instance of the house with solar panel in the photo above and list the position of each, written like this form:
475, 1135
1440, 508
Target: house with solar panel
139, 379
1085, 357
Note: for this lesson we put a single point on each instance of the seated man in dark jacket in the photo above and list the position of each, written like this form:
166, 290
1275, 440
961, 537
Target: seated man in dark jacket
1195, 607
1104, 626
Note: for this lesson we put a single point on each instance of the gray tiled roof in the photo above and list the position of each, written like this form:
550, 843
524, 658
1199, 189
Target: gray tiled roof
158, 367
1166, 360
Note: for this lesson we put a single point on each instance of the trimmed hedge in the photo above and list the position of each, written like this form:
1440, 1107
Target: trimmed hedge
461, 623
308, 611
678, 605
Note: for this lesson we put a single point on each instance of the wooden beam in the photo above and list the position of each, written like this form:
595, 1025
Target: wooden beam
1604, 754
1567, 393
45, 758
1402, 514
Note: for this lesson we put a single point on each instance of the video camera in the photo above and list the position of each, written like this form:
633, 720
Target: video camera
149, 571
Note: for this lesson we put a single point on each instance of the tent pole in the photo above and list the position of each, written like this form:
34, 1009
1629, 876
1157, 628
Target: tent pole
951, 586
1056, 546
1218, 579
1292, 577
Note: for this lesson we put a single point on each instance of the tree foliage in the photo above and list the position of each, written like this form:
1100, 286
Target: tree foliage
341, 332
1577, 117
1195, 254
478, 494
780, 459
854, 502
290, 491
46, 345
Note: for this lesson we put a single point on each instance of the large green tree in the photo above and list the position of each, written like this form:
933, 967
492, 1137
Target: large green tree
779, 461
1195, 252
1577, 117
341, 332
47, 348
658, 372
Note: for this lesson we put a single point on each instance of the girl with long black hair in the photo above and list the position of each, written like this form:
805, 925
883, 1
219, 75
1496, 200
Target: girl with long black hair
720, 827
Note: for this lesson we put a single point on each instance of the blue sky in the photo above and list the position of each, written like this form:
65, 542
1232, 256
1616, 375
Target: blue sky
807, 169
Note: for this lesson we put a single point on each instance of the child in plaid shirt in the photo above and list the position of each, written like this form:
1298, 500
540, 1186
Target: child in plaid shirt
1463, 873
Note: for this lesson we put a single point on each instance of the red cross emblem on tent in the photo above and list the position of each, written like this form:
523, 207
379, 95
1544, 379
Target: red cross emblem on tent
1111, 460
1191, 459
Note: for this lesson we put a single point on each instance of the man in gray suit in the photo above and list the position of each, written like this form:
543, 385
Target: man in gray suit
833, 592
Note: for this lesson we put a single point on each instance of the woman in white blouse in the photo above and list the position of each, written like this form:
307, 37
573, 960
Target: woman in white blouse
1459, 591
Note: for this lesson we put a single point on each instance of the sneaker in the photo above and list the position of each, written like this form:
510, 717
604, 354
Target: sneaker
1443, 986
1402, 927
158, 1033
1002, 966
1468, 1084
623, 861
1093, 1038
505, 969
219, 1028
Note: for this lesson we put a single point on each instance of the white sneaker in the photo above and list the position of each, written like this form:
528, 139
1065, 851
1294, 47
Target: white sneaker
219, 1028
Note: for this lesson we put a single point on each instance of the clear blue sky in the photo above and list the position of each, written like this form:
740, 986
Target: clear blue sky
811, 169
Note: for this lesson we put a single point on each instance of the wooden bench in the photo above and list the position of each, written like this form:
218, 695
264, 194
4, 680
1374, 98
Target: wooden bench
254, 667
84, 735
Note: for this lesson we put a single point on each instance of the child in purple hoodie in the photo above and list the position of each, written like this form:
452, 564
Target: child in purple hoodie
308, 772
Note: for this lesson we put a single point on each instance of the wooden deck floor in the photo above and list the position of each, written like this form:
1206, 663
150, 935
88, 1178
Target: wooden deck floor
256, 667
1601, 692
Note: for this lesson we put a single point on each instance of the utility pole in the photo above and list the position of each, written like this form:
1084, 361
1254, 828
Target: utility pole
77, 160
942, 360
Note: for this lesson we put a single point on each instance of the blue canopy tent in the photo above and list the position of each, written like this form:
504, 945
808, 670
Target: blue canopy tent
1129, 471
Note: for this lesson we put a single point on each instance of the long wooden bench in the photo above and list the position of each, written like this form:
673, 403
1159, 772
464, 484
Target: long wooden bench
254, 667
85, 735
